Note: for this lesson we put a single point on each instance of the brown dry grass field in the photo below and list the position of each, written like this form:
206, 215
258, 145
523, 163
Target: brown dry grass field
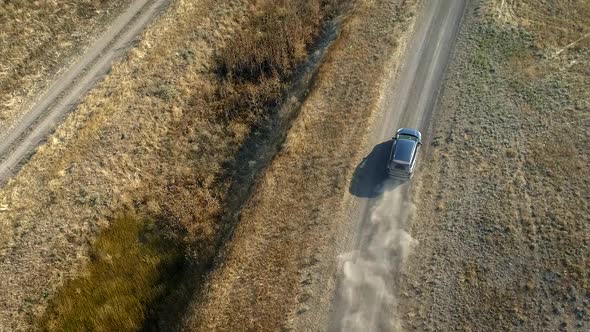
264, 281
503, 206
38, 39
158, 141
137, 185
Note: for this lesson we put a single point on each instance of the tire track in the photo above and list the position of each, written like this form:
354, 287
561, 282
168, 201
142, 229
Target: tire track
365, 299
19, 143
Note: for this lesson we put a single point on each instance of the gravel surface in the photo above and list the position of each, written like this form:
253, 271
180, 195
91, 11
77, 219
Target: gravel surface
366, 298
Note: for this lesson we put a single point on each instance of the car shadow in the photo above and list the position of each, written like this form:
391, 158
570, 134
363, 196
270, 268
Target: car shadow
371, 173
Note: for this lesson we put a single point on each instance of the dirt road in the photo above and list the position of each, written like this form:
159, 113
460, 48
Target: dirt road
366, 295
20, 141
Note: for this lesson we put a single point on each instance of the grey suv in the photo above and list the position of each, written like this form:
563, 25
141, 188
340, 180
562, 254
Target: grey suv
404, 152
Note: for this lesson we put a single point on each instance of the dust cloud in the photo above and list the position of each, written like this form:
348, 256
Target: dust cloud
371, 273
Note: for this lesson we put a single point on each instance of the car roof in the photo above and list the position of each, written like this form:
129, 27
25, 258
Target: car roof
404, 150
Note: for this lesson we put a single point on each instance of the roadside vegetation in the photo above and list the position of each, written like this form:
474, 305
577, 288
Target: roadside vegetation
132, 267
161, 139
38, 39
276, 268
256, 65
503, 220
251, 75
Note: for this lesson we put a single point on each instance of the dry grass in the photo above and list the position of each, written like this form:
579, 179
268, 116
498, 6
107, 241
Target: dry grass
131, 268
38, 38
262, 283
555, 24
119, 150
158, 137
252, 73
191, 204
517, 207
255, 65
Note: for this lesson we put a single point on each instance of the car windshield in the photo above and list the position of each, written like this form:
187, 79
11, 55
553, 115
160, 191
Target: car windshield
404, 149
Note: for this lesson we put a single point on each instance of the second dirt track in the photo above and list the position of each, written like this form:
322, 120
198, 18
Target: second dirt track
20, 141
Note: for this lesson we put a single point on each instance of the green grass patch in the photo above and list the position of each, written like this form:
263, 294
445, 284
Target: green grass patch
133, 266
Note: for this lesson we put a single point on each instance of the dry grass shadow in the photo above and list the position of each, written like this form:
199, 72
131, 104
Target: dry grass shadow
132, 267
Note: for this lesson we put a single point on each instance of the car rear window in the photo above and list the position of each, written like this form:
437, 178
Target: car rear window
408, 137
